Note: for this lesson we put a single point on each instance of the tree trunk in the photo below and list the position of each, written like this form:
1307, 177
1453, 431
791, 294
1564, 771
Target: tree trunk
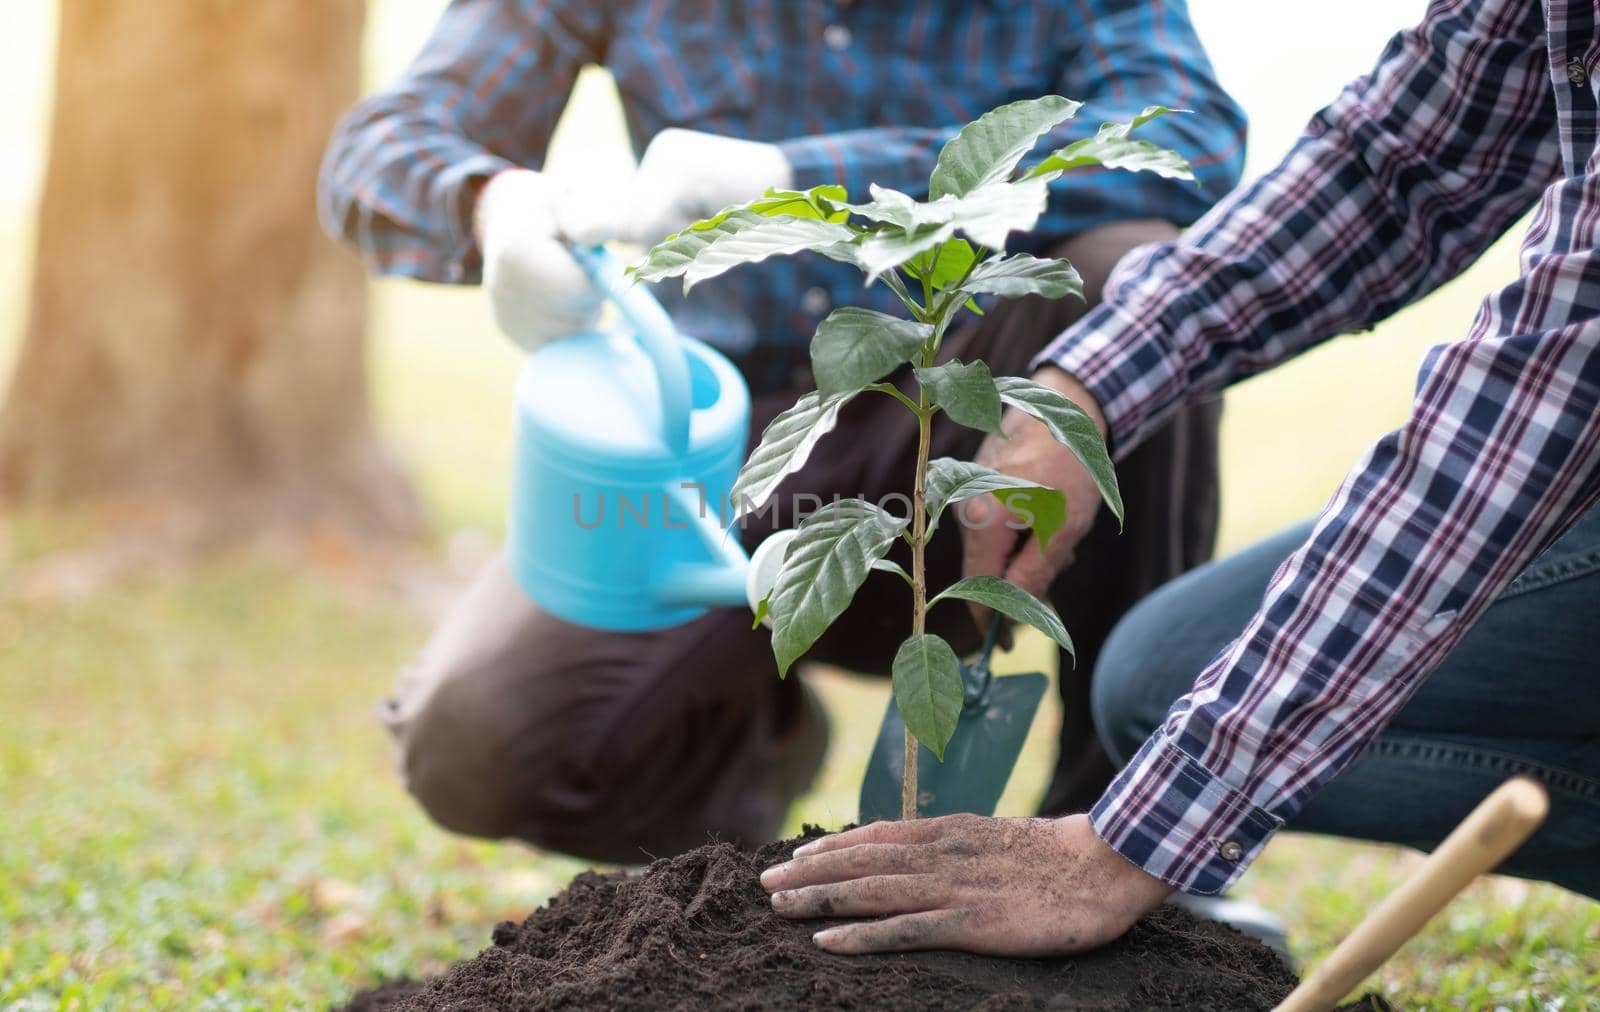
194, 341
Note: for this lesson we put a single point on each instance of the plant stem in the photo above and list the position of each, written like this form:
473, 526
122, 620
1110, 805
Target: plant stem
893, 391
919, 583
908, 782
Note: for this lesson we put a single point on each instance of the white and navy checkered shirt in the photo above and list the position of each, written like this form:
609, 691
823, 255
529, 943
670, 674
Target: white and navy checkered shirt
1485, 109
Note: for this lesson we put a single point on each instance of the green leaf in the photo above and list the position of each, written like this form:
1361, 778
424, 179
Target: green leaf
913, 231
1020, 274
897, 285
741, 236
967, 393
989, 147
928, 691
756, 241
761, 611
1071, 427
1011, 601
952, 481
988, 212
901, 210
891, 566
827, 202
854, 347
1041, 508
673, 255
993, 211
830, 556
786, 443
843, 252
1151, 112
884, 251
949, 263
1113, 148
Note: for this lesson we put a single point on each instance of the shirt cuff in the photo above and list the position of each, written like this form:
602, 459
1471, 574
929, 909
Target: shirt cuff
1178, 821
440, 246
455, 196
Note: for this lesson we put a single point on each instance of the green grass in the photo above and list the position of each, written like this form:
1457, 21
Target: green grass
1503, 944
197, 808
199, 812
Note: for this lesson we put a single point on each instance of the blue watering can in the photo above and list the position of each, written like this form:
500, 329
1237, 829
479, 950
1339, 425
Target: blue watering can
627, 444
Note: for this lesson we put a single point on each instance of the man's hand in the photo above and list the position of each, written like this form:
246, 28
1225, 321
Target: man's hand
1026, 449
538, 292
1001, 887
684, 176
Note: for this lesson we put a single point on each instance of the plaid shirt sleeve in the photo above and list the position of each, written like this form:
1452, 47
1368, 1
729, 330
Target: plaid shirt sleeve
1395, 188
403, 169
1132, 54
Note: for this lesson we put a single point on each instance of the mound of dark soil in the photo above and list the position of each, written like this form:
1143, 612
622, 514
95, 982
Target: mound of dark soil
696, 932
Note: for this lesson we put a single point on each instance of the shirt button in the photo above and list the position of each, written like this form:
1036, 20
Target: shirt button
815, 301
837, 37
1231, 851
1577, 73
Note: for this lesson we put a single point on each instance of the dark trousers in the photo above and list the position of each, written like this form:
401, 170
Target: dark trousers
611, 746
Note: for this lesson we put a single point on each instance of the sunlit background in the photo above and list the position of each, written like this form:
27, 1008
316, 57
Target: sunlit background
1289, 436
193, 798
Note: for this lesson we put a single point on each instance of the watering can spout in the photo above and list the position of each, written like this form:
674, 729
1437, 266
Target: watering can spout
624, 439
721, 579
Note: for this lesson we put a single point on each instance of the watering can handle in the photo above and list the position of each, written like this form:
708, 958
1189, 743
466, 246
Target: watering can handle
656, 335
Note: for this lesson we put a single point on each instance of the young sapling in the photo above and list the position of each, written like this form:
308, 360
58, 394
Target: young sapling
936, 256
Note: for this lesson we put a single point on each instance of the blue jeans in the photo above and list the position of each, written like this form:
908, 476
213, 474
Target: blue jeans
1519, 694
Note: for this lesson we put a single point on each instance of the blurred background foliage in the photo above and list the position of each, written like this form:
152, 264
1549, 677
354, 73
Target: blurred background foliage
197, 806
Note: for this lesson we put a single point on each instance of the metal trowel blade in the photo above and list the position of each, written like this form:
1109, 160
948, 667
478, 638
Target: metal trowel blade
977, 762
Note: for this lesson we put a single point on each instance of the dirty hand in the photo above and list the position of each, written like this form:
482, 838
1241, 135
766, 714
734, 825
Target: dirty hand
538, 292
684, 176
1027, 450
1000, 887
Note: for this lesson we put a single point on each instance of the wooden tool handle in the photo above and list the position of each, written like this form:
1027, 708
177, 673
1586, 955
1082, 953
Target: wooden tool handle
1494, 829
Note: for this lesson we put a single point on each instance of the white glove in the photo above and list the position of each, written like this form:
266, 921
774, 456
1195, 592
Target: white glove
538, 292
685, 175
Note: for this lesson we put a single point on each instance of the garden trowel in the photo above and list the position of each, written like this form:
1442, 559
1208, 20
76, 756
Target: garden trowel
995, 718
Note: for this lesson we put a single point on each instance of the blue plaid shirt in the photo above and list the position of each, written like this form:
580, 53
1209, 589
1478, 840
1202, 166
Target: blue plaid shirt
852, 92
1485, 109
